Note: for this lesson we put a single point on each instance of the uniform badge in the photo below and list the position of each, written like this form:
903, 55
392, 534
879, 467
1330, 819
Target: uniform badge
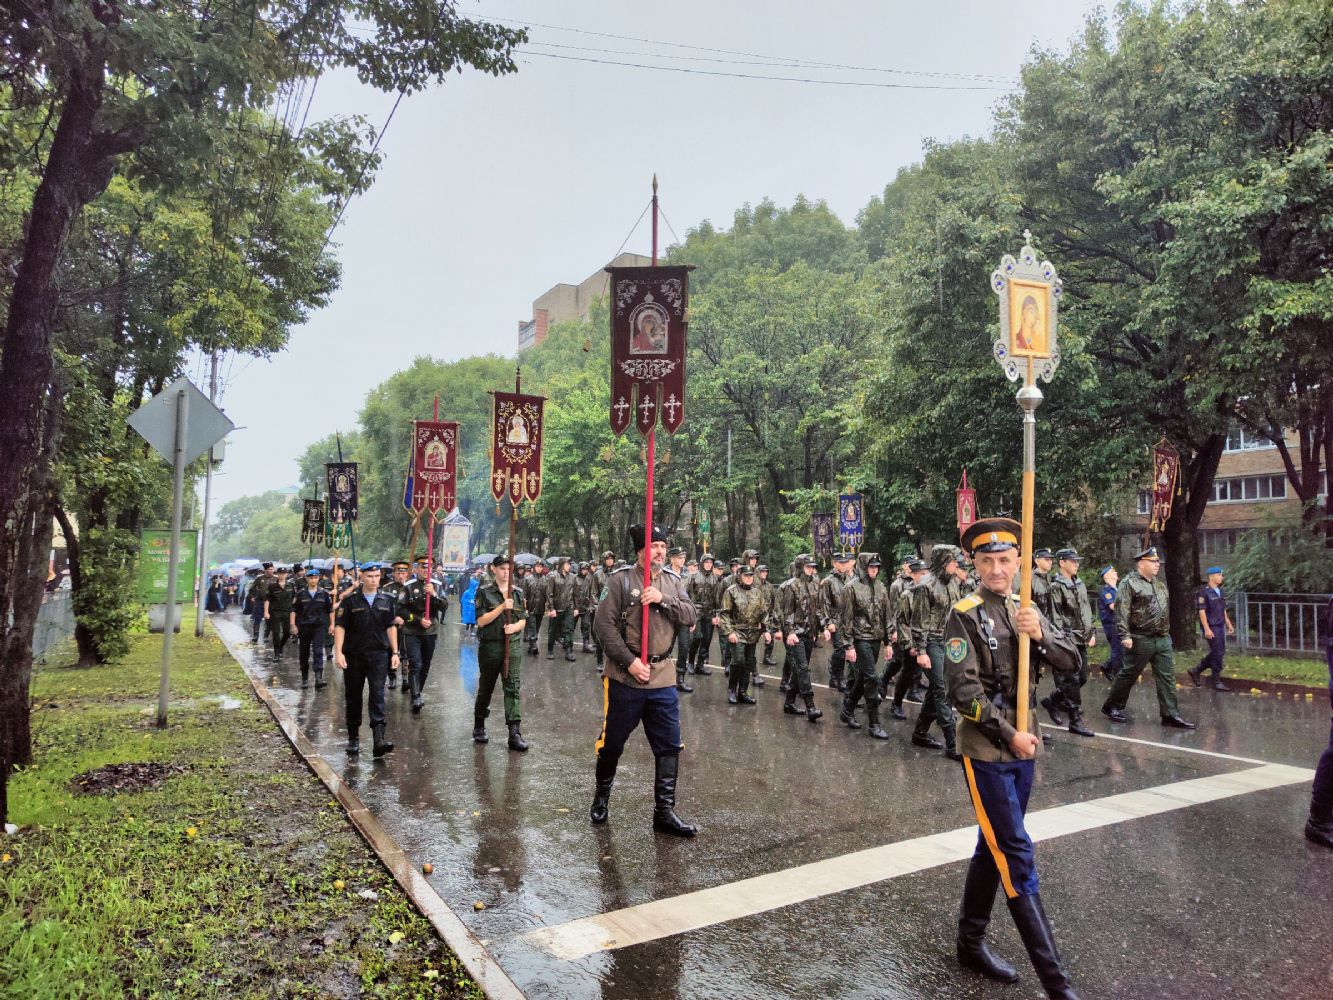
956, 650
634, 593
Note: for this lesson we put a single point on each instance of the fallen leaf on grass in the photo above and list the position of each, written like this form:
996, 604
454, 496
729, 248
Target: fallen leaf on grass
191, 832
396, 936
339, 884
431, 974
479, 906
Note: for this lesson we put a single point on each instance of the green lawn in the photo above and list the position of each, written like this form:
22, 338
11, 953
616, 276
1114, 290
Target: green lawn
1311, 673
220, 882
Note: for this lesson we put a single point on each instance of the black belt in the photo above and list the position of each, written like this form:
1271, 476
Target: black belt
652, 659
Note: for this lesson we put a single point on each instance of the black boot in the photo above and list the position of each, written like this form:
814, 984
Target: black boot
951, 742
516, 740
305, 679
1039, 940
353, 742
811, 712
875, 730
1053, 710
742, 692
1076, 725
789, 704
665, 819
921, 734
701, 669
758, 681
569, 654
550, 652
319, 680
681, 686
479, 730
848, 714
381, 745
896, 711
983, 879
416, 695
601, 798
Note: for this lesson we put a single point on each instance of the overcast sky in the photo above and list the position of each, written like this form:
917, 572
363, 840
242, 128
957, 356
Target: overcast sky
492, 190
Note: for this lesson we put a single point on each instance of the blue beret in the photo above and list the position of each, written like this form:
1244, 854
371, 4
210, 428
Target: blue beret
1212, 569
312, 572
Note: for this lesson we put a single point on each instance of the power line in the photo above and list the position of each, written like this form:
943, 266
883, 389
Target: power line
362, 172
634, 227
782, 79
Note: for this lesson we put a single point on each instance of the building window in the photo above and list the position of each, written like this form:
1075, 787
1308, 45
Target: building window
1145, 503
1243, 439
1238, 489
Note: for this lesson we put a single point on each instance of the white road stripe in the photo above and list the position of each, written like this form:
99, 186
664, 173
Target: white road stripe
1084, 742
708, 907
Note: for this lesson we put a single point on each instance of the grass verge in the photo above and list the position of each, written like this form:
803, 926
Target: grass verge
1243, 667
237, 877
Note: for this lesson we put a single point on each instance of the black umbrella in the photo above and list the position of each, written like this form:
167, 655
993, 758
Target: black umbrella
483, 560
527, 559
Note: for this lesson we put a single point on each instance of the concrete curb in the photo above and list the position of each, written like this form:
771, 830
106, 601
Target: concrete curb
480, 963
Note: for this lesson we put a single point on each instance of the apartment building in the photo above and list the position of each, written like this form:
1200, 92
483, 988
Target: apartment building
565, 302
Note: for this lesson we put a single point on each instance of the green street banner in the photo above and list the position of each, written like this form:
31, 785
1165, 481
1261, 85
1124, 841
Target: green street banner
155, 562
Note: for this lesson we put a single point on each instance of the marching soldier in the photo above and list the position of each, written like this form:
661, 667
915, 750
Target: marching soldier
981, 642
1042, 561
397, 589
770, 593
311, 620
702, 593
799, 619
501, 618
639, 681
733, 565
588, 594
1071, 613
896, 655
743, 619
1216, 625
931, 599
863, 618
1106, 601
675, 566
420, 629
562, 608
255, 600
907, 670
535, 596
1144, 622
278, 611
603, 576
830, 597
365, 644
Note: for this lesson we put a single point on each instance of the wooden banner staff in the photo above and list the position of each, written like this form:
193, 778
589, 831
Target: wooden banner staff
644, 649
513, 527
1029, 398
430, 526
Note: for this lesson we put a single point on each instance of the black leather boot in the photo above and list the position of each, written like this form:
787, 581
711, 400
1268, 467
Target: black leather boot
665, 819
1053, 710
354, 742
951, 742
701, 669
789, 703
758, 681
848, 714
479, 730
1039, 940
416, 694
319, 680
516, 740
811, 712
381, 745
681, 686
1076, 725
601, 798
874, 730
305, 679
921, 734
983, 879
896, 711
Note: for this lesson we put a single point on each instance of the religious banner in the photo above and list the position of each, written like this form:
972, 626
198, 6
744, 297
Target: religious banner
340, 481
455, 542
434, 465
516, 446
704, 526
312, 521
1029, 292
851, 520
408, 483
966, 503
1165, 469
821, 529
649, 316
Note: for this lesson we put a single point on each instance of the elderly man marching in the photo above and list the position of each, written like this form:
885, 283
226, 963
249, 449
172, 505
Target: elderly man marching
981, 649
639, 684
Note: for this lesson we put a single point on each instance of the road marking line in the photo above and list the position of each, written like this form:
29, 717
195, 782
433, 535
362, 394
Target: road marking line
1163, 746
708, 907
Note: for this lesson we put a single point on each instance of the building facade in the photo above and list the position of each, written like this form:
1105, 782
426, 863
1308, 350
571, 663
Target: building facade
562, 303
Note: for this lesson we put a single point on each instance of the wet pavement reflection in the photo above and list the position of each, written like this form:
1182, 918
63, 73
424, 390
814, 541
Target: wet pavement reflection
1218, 900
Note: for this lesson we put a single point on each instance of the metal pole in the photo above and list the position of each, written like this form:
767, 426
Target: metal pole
201, 598
173, 570
1029, 398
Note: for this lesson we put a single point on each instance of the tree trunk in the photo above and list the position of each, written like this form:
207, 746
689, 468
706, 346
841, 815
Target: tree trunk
1180, 537
78, 168
83, 636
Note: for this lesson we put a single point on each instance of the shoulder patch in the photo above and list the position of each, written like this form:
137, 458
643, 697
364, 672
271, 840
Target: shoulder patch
968, 603
956, 650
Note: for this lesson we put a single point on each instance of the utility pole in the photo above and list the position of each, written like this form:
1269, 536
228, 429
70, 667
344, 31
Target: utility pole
201, 588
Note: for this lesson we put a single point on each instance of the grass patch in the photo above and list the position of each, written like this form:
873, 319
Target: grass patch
220, 881
1242, 666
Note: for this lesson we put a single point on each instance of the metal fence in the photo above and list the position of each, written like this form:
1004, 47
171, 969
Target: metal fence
1281, 623
55, 623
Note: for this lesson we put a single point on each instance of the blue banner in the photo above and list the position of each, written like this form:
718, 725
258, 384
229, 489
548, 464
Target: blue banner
851, 520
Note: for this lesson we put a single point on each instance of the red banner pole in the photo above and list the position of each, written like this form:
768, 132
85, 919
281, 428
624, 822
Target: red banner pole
430, 528
645, 650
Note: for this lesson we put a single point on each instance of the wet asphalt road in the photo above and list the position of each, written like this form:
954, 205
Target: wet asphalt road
1223, 899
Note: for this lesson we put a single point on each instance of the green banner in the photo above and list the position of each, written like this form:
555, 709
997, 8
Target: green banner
155, 561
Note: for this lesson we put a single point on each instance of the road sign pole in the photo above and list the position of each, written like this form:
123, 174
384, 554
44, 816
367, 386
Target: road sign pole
201, 587
173, 569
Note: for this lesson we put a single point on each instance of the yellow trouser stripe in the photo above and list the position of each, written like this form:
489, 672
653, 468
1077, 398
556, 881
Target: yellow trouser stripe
606, 708
987, 831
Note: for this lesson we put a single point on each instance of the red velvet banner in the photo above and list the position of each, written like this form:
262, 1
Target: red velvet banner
649, 316
434, 465
1165, 468
516, 446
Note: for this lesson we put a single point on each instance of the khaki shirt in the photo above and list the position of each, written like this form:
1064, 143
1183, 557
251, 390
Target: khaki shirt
982, 682
618, 624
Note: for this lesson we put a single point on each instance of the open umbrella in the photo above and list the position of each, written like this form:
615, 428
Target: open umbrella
484, 559
527, 559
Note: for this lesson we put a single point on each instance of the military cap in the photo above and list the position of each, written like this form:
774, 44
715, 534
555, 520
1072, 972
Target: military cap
692, 562
735, 560
1042, 553
1211, 570
746, 570
282, 569
874, 560
312, 571
675, 550
500, 560
403, 563
1070, 553
992, 534
1149, 553
608, 554
706, 557
637, 534
750, 554
916, 566
421, 557
761, 568
369, 565
1105, 569
268, 565
808, 557
843, 556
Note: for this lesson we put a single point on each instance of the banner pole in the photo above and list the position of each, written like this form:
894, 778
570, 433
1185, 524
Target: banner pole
513, 527
430, 531
644, 648
351, 525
